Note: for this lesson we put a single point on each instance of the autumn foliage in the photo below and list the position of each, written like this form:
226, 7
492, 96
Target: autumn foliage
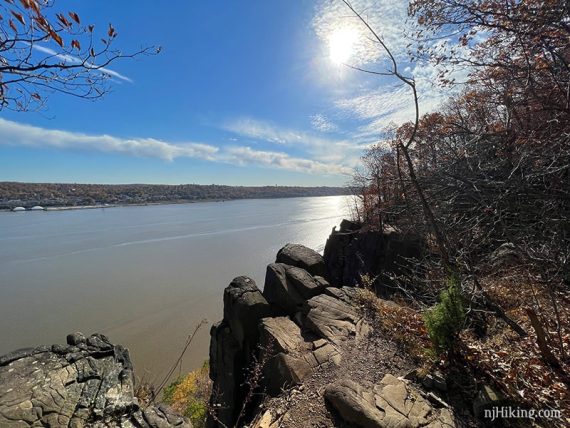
45, 51
494, 167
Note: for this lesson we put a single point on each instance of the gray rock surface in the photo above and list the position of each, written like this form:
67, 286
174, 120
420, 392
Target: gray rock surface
281, 292
304, 283
391, 404
332, 317
288, 287
284, 371
87, 383
506, 255
226, 371
254, 330
244, 306
303, 257
350, 253
311, 326
282, 334
293, 357
487, 398
234, 346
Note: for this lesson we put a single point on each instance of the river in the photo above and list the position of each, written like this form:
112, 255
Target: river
143, 275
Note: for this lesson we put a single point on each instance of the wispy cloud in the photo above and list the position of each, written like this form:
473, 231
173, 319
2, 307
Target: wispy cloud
265, 131
322, 148
247, 155
269, 132
75, 60
377, 104
18, 134
322, 123
388, 17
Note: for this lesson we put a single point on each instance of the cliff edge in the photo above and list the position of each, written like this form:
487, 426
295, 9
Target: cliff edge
301, 352
87, 383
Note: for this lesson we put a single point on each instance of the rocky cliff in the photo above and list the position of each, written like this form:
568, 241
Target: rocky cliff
351, 252
300, 353
87, 383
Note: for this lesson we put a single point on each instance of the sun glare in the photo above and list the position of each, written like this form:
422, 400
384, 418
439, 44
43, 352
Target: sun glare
341, 44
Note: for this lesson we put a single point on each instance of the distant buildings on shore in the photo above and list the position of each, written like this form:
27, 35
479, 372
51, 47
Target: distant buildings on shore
34, 208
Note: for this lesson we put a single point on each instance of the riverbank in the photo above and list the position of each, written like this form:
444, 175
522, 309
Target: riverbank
102, 206
56, 195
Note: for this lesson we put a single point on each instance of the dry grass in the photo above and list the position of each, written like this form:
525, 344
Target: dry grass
500, 357
513, 363
400, 324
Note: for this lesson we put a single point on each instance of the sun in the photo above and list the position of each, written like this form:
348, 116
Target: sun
341, 44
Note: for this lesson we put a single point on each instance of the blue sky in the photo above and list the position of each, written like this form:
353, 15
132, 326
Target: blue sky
242, 93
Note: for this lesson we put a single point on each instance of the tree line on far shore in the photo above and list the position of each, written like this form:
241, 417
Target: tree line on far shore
14, 194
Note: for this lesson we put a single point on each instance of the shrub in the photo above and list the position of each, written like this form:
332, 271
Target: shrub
446, 319
189, 395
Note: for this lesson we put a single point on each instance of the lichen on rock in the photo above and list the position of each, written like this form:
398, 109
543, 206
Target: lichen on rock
87, 383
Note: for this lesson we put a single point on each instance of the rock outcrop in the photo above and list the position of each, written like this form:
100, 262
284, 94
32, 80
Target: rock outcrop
233, 344
351, 252
277, 339
289, 327
87, 383
391, 404
302, 257
288, 287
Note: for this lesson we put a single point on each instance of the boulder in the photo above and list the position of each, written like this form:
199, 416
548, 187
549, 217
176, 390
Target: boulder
288, 287
391, 404
233, 347
332, 317
281, 292
304, 283
351, 253
88, 382
244, 306
323, 352
284, 371
435, 381
303, 257
292, 358
505, 256
226, 372
76, 338
282, 334
354, 404
487, 398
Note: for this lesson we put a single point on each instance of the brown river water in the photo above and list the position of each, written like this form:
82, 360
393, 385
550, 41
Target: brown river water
143, 275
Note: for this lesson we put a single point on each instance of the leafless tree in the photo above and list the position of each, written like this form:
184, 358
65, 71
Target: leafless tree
43, 51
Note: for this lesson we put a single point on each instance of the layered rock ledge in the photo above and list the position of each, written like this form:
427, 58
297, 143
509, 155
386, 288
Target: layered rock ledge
87, 383
300, 353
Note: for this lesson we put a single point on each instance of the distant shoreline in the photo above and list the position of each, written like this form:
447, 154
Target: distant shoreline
143, 204
63, 196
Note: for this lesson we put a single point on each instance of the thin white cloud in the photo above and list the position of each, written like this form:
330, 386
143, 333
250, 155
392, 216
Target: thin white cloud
377, 104
275, 134
75, 60
18, 134
322, 123
261, 130
324, 149
247, 155
388, 17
